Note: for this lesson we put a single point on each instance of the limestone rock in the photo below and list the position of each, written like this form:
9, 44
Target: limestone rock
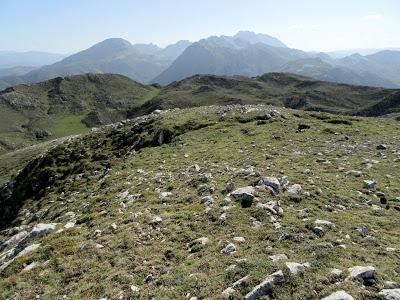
245, 195
390, 294
265, 287
339, 295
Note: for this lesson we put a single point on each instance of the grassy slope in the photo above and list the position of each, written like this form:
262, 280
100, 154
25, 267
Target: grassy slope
73, 266
274, 88
61, 106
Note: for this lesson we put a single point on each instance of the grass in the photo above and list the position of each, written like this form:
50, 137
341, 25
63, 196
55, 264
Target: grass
221, 146
68, 125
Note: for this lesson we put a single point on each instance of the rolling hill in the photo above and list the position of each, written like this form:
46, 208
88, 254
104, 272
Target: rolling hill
280, 89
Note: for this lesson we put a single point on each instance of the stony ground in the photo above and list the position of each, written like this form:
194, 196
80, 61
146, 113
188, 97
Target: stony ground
236, 202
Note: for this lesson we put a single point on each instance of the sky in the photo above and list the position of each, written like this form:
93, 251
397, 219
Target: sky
67, 26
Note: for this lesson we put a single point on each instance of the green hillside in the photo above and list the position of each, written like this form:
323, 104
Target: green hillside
66, 106
207, 203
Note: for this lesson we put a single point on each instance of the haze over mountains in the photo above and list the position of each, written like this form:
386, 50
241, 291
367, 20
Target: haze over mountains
245, 53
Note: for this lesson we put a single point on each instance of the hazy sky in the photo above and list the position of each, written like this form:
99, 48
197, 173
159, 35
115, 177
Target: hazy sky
70, 25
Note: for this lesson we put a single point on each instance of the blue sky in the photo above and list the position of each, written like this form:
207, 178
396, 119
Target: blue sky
70, 25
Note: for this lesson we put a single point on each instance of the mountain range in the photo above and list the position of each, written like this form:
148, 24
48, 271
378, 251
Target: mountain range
245, 53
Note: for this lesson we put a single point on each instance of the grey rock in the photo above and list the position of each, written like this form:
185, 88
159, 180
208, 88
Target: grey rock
369, 184
336, 272
222, 218
113, 227
294, 189
381, 147
339, 295
245, 195
229, 249
207, 200
272, 182
296, 268
318, 231
41, 229
391, 285
325, 223
230, 186
272, 206
390, 294
148, 278
362, 272
97, 233
265, 287
278, 257
156, 221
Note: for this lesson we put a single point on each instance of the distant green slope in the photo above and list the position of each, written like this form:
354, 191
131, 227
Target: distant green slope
282, 89
66, 106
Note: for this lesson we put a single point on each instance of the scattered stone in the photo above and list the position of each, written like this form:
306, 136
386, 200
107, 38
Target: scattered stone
272, 206
369, 184
229, 249
339, 295
365, 273
230, 186
70, 224
354, 173
203, 240
265, 287
239, 239
294, 189
271, 182
113, 227
336, 272
148, 278
236, 285
390, 294
327, 224
29, 267
97, 233
207, 201
381, 147
41, 229
278, 257
245, 195
222, 218
296, 268
318, 231
134, 290
362, 230
391, 285
156, 221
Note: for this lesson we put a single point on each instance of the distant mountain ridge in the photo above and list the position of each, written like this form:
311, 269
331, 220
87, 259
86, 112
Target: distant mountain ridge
245, 53
139, 62
250, 54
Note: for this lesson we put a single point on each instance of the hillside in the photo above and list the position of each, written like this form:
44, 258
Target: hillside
71, 105
279, 89
231, 202
66, 106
